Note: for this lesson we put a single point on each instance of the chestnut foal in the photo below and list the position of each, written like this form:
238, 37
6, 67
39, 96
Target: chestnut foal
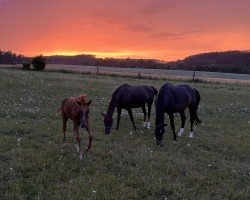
77, 110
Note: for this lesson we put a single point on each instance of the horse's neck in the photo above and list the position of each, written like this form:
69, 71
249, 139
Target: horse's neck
111, 109
159, 111
159, 117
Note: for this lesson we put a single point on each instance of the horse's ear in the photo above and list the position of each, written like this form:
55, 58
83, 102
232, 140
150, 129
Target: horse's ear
78, 102
103, 114
89, 102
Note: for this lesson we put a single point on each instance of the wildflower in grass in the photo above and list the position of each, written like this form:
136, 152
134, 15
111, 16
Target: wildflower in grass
18, 141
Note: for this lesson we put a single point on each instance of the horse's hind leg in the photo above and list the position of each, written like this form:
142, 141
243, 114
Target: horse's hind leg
65, 119
145, 115
131, 117
171, 117
183, 120
192, 118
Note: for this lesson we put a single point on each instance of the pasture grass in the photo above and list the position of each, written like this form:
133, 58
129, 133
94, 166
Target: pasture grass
126, 164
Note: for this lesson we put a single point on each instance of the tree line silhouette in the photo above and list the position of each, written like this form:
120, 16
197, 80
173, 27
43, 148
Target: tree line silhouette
227, 61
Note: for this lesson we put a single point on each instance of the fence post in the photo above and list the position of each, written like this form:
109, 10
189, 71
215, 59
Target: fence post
97, 70
193, 74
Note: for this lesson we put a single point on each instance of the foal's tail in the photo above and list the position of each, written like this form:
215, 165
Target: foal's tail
155, 90
58, 109
198, 98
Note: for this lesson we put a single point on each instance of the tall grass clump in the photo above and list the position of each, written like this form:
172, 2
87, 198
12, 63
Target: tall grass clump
39, 63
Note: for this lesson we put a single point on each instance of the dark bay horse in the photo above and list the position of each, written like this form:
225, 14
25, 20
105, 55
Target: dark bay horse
175, 99
128, 97
76, 109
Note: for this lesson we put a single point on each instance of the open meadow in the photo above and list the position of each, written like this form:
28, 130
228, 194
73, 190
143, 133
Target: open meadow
126, 164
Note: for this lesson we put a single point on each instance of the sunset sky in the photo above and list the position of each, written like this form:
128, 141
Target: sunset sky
160, 29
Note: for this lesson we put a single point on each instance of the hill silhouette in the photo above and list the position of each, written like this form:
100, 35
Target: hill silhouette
226, 61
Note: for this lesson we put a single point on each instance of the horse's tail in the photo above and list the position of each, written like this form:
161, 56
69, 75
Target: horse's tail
155, 90
198, 98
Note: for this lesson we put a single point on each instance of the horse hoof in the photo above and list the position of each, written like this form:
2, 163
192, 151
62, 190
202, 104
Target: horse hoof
175, 142
144, 124
148, 125
191, 135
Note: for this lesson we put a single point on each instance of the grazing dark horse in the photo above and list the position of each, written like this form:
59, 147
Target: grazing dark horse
77, 110
128, 97
175, 99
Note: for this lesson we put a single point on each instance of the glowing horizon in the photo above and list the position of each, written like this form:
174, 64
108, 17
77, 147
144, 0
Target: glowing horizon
154, 29
99, 54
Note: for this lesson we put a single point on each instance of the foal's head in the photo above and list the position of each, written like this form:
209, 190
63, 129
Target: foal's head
108, 122
83, 112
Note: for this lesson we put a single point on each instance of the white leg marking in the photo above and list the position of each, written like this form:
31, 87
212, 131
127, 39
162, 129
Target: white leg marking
144, 124
181, 132
191, 134
148, 125
77, 147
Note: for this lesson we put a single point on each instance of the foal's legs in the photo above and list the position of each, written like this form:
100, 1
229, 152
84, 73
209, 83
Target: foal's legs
77, 136
65, 119
131, 117
144, 114
90, 136
119, 111
171, 117
183, 119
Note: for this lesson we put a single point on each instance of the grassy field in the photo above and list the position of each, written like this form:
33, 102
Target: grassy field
35, 164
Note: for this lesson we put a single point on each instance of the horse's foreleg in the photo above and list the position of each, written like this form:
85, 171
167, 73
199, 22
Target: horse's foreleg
145, 115
119, 111
131, 117
77, 136
183, 120
90, 136
171, 117
149, 114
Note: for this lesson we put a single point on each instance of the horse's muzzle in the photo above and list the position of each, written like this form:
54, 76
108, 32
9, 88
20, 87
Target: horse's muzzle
83, 125
107, 131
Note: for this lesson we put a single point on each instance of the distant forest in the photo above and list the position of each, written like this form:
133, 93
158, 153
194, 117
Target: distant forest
227, 61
